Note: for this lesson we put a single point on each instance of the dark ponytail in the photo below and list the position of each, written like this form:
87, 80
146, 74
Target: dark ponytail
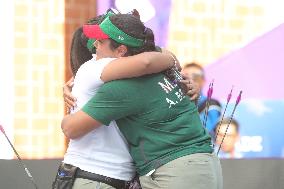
149, 40
79, 53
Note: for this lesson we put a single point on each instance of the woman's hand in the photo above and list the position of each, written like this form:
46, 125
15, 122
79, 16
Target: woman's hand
177, 63
193, 89
69, 99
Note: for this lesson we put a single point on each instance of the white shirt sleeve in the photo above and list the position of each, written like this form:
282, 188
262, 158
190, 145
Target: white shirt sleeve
94, 70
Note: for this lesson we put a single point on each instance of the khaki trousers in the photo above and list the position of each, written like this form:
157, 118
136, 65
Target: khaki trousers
195, 171
81, 183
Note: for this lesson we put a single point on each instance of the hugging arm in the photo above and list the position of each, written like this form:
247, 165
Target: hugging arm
134, 66
69, 99
126, 67
78, 124
110, 103
137, 65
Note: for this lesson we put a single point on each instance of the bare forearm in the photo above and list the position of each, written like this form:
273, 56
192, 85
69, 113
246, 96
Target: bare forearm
78, 124
137, 65
157, 62
69, 129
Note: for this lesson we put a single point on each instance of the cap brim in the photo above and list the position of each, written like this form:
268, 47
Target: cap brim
94, 32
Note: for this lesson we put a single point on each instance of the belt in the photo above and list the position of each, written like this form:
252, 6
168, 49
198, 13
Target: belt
116, 183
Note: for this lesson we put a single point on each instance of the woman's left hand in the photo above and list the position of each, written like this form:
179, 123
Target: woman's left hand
193, 90
69, 99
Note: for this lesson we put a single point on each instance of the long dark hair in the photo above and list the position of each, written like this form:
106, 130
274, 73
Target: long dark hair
79, 53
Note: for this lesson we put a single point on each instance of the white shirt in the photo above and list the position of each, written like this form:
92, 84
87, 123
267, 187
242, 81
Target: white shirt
104, 150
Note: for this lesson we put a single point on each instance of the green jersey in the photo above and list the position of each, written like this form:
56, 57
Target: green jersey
159, 122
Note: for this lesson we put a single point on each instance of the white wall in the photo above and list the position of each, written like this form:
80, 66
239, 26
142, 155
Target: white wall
6, 76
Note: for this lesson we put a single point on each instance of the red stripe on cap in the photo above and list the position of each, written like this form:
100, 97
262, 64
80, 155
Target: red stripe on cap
94, 32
